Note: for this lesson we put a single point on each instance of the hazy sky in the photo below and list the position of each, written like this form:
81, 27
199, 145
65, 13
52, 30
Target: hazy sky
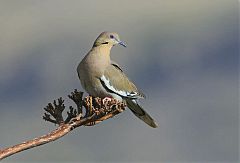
184, 55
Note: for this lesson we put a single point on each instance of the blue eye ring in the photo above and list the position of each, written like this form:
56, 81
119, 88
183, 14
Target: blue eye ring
111, 36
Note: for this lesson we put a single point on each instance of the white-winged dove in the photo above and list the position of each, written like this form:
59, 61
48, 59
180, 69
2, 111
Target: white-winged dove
101, 77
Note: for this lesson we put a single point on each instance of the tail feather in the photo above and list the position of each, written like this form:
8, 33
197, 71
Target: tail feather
141, 113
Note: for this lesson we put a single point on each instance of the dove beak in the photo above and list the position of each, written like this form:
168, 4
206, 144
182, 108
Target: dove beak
122, 43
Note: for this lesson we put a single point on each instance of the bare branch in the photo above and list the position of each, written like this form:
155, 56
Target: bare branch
96, 111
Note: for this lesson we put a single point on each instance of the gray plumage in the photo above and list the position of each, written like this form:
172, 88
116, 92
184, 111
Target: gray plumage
101, 77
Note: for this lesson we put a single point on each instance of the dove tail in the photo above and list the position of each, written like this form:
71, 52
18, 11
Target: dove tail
141, 113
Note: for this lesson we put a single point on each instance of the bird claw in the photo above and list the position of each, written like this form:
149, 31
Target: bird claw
106, 100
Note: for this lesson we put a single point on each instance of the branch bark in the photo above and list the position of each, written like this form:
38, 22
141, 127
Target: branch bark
96, 111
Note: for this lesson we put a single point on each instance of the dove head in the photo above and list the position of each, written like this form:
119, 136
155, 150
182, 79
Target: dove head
109, 39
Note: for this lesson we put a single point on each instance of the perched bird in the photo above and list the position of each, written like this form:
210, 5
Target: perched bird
101, 77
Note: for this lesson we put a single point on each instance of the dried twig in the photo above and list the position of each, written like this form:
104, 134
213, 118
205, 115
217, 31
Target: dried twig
96, 111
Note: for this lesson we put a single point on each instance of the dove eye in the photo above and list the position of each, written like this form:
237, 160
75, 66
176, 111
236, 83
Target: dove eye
111, 36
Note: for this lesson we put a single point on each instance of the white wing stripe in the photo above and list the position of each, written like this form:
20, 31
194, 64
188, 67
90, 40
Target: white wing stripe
119, 92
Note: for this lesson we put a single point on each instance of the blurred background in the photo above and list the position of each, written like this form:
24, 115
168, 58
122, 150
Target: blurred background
182, 54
